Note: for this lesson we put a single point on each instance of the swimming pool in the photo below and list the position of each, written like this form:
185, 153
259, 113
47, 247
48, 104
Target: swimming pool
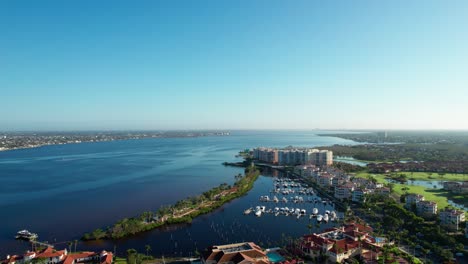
275, 257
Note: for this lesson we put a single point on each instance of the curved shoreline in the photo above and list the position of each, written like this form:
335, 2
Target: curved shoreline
184, 211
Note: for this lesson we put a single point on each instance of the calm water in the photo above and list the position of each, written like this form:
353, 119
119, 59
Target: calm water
60, 192
350, 160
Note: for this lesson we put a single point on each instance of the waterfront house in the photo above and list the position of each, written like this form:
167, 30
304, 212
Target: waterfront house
339, 244
89, 257
246, 252
50, 255
344, 191
451, 218
306, 170
325, 180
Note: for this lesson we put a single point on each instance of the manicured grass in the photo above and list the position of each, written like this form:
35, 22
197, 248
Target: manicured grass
439, 196
379, 177
425, 176
119, 260
436, 195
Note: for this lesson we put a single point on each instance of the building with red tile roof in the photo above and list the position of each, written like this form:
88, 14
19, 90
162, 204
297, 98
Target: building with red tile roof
340, 243
247, 252
53, 256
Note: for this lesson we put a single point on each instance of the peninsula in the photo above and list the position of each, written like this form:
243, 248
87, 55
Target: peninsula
181, 212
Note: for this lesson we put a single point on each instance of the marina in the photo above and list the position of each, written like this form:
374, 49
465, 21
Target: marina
294, 199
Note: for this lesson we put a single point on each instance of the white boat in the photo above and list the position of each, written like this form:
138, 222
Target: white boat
285, 199
325, 218
258, 213
327, 212
303, 212
262, 208
315, 211
297, 211
319, 218
26, 235
248, 211
275, 199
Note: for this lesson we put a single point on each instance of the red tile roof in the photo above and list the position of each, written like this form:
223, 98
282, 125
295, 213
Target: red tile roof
50, 253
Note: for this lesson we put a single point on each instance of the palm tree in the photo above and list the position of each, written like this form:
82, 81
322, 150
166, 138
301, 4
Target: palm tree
148, 249
76, 242
69, 246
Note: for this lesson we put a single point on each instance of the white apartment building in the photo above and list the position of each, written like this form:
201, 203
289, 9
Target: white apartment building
426, 208
451, 218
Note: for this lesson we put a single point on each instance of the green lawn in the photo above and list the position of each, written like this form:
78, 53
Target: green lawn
379, 177
425, 176
422, 176
437, 195
119, 260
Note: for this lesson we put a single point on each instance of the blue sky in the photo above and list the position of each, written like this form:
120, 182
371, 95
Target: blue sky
233, 64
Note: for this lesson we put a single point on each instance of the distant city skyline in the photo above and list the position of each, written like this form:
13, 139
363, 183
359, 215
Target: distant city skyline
227, 65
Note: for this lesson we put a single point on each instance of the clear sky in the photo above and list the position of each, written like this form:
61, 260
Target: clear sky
233, 64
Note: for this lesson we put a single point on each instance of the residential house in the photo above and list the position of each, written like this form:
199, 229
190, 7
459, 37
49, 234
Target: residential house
339, 244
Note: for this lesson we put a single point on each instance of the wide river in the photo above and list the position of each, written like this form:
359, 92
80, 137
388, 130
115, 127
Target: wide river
63, 191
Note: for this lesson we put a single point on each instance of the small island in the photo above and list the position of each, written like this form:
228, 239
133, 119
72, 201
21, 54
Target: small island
181, 212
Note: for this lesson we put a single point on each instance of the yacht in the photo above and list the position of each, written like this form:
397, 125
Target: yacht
319, 218
303, 212
315, 211
297, 211
262, 208
275, 199
258, 213
325, 218
26, 235
248, 211
333, 216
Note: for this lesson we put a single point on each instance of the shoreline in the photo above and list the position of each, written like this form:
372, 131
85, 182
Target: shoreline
184, 211
86, 138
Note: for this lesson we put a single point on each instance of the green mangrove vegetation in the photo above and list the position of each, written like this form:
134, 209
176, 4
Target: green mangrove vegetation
181, 212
